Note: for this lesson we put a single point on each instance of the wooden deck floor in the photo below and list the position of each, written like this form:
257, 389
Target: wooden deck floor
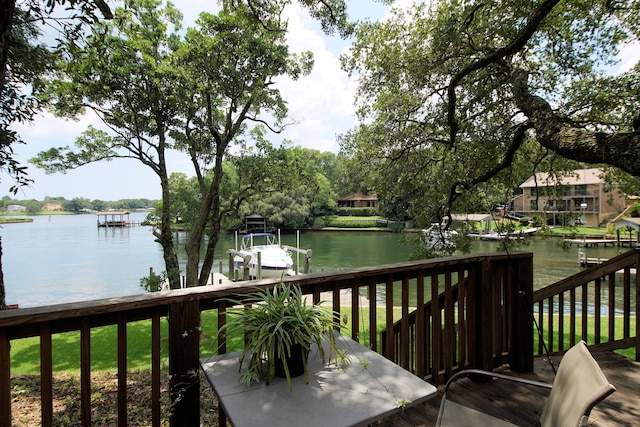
523, 405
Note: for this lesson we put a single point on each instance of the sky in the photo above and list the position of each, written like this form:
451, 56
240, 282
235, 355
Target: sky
322, 105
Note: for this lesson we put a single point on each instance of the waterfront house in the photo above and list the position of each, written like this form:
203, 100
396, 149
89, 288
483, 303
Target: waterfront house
358, 200
52, 207
580, 197
16, 208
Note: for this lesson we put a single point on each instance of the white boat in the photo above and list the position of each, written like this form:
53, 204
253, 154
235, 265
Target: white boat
439, 240
275, 261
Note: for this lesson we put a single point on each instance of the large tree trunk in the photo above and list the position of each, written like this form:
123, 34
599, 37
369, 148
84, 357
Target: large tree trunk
3, 302
620, 149
209, 213
216, 220
194, 239
165, 237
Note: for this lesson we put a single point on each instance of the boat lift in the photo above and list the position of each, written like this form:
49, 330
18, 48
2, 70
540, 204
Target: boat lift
246, 260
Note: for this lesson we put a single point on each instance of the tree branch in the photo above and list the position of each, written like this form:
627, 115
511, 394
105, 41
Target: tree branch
621, 149
515, 46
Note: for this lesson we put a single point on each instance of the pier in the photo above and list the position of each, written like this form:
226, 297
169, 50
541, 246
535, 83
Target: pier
114, 219
586, 261
594, 243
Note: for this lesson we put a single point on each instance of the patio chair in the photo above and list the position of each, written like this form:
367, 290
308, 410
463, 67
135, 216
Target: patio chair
578, 386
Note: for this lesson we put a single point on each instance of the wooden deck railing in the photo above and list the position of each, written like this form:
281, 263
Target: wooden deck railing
483, 315
595, 305
478, 316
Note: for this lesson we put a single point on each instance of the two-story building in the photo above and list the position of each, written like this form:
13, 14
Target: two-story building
579, 197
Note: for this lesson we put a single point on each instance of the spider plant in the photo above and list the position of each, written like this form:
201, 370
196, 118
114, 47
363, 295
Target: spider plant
273, 322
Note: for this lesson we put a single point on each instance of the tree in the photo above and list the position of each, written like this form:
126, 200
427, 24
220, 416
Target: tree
77, 204
23, 61
231, 61
125, 74
157, 91
455, 94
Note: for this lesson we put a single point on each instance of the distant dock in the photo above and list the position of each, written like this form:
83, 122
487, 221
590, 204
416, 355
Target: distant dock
593, 243
586, 261
114, 219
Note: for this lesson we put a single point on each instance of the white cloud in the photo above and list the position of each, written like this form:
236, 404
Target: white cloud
321, 103
629, 56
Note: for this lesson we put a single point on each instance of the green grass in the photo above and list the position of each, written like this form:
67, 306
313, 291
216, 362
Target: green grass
579, 230
604, 331
25, 353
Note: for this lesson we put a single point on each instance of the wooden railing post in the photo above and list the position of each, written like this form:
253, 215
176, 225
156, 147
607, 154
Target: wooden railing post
637, 309
5, 379
521, 316
484, 328
184, 354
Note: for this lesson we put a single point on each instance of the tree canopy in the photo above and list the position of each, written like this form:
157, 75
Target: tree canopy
457, 95
198, 92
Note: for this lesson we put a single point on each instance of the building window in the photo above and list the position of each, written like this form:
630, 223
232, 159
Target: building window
534, 205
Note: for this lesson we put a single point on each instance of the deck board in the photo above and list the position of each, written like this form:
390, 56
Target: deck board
523, 405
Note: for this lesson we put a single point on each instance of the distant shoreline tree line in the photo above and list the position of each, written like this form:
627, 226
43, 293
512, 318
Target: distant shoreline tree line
76, 205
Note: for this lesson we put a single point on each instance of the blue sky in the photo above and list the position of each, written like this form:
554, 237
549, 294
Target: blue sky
321, 104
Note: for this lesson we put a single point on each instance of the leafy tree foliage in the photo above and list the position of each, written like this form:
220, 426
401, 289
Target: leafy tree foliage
26, 62
23, 60
76, 204
231, 62
125, 74
454, 95
156, 90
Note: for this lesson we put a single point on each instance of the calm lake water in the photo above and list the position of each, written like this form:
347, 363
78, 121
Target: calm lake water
67, 258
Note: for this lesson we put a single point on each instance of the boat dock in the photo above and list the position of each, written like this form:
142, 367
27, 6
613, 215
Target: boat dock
493, 235
594, 243
114, 219
586, 261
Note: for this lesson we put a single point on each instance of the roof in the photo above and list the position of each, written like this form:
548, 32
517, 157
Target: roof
360, 196
113, 213
628, 222
576, 177
472, 217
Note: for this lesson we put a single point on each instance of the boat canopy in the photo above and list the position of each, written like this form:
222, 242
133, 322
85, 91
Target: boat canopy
248, 236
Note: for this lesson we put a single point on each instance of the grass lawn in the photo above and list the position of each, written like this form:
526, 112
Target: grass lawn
604, 330
579, 230
25, 353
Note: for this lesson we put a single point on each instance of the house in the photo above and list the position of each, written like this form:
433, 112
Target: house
358, 200
16, 208
52, 206
578, 197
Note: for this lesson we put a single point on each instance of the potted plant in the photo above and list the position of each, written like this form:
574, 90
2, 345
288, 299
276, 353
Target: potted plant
279, 327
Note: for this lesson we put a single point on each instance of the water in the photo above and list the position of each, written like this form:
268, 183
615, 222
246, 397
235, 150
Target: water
67, 258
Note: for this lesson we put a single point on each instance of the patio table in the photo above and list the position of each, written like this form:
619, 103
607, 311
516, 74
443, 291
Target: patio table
371, 388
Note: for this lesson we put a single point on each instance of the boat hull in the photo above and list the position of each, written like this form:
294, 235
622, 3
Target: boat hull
273, 262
